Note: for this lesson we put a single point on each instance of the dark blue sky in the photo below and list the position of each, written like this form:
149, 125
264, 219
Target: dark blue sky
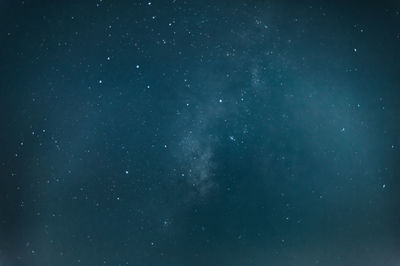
199, 133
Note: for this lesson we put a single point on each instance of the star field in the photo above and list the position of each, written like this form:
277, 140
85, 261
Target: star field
199, 133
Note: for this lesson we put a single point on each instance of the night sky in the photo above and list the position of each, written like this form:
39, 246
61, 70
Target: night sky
191, 133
